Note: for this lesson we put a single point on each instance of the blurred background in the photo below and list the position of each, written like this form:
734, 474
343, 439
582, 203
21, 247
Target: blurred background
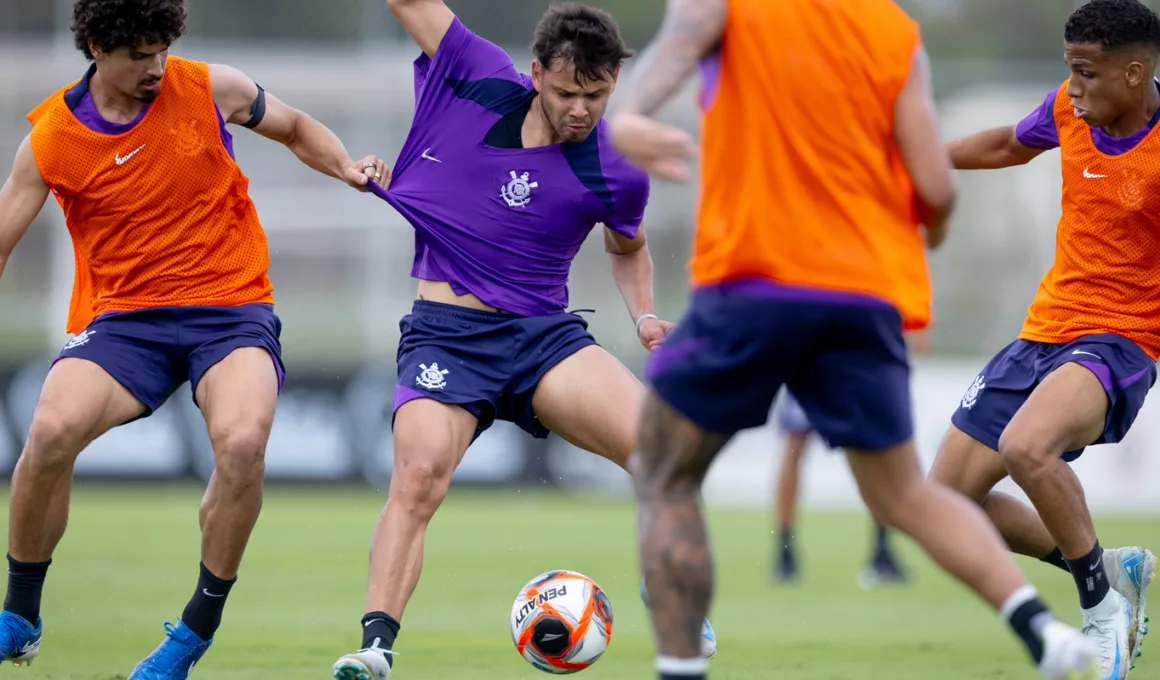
341, 259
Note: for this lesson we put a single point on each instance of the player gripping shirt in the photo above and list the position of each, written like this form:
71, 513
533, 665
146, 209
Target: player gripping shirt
171, 287
503, 177
1085, 359
819, 172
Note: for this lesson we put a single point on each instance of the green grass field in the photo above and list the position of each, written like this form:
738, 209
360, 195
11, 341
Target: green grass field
129, 562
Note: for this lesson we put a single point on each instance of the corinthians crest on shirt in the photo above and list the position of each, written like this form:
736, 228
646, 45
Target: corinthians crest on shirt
517, 192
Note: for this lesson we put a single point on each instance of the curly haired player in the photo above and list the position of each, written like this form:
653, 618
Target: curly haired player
171, 286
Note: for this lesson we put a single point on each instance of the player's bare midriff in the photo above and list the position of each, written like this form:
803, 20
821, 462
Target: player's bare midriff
440, 291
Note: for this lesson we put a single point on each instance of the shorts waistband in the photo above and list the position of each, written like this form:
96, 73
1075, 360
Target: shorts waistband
463, 313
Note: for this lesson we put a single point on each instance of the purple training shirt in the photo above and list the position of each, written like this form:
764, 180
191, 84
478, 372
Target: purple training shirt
502, 224
1038, 131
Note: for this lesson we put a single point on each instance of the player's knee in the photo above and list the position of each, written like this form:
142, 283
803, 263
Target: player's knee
240, 453
419, 484
54, 441
1022, 455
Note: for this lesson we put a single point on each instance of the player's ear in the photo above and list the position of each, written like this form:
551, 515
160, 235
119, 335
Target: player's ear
1136, 74
537, 75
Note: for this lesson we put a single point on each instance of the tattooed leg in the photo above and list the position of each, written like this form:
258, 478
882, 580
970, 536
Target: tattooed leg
678, 567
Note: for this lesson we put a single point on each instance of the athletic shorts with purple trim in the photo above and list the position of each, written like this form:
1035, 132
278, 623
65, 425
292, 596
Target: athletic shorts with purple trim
842, 355
489, 363
990, 402
152, 352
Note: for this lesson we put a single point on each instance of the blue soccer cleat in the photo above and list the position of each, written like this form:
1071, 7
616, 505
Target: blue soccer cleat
708, 637
175, 657
19, 641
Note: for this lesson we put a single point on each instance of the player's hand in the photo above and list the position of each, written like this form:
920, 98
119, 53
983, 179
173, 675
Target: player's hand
653, 331
370, 169
659, 149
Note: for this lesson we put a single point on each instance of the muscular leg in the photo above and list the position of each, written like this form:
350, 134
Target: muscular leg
592, 401
430, 441
1065, 412
953, 531
668, 472
972, 468
237, 396
79, 402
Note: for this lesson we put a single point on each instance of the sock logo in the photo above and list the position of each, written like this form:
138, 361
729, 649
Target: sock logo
209, 594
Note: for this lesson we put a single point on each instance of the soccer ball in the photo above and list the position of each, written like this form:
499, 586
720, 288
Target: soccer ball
561, 622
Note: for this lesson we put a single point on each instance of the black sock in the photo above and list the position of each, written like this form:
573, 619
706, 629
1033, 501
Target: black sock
1027, 620
1090, 579
203, 614
1056, 559
670, 676
881, 536
25, 583
379, 631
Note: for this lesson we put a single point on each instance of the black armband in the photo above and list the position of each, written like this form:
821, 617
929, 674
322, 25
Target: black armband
257, 109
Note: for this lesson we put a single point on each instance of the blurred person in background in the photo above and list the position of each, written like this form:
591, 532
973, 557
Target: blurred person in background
171, 287
794, 426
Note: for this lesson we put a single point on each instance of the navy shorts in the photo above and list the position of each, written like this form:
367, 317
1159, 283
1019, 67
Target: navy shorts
490, 363
152, 352
993, 397
843, 356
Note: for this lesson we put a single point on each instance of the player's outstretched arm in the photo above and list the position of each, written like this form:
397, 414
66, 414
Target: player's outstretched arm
690, 31
632, 268
21, 199
242, 102
917, 136
991, 149
426, 21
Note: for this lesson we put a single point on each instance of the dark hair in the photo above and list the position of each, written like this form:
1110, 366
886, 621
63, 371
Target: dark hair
110, 24
586, 36
1114, 25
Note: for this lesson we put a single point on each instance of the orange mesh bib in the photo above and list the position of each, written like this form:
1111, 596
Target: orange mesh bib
802, 182
159, 215
1106, 274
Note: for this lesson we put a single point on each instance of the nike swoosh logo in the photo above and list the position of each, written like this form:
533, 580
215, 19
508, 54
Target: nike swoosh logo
1088, 173
430, 158
121, 159
552, 636
209, 594
1080, 351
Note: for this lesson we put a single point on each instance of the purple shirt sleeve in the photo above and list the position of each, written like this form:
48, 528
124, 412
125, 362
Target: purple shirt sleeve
462, 55
630, 191
1037, 130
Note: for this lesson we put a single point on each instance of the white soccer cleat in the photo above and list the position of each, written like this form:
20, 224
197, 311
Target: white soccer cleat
708, 640
1106, 627
1067, 654
365, 664
1130, 572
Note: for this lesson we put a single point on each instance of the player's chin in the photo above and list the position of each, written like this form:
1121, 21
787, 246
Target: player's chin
575, 134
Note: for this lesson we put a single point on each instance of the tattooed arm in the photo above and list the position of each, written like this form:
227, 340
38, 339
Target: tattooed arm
690, 31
